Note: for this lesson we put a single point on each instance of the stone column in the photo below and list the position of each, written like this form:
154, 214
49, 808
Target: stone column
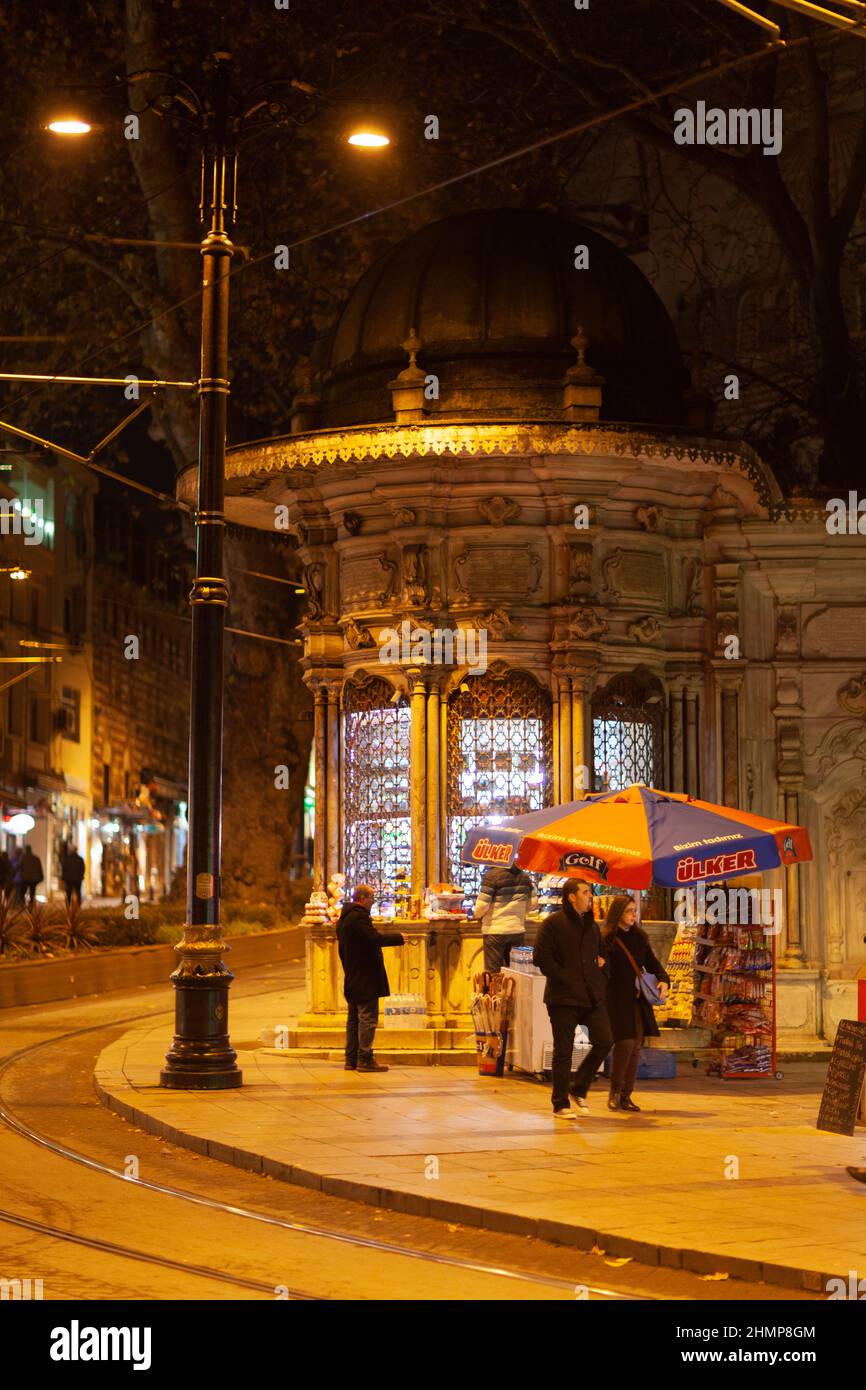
433, 863
333, 781
581, 733
555, 724
445, 867
730, 743
320, 716
677, 782
417, 777
794, 954
565, 774
692, 687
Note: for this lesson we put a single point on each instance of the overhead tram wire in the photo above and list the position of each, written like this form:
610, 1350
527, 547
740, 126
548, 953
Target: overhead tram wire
590, 123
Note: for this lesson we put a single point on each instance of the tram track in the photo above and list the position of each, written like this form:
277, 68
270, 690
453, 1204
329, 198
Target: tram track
14, 1122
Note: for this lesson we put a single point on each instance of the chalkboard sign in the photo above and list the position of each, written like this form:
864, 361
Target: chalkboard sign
843, 1087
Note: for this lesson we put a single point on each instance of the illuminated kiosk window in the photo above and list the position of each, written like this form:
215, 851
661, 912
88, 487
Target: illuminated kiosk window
377, 839
627, 720
499, 759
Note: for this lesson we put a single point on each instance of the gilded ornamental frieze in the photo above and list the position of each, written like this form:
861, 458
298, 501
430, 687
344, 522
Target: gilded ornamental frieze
363, 444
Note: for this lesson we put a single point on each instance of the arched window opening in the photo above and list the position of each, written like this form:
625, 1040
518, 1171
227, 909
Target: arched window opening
499, 758
377, 836
627, 724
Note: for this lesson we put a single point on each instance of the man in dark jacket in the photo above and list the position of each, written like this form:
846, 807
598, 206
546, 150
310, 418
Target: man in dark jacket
72, 872
360, 946
568, 952
31, 874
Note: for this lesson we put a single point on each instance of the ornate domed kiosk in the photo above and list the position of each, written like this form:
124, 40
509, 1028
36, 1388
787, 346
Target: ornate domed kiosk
529, 571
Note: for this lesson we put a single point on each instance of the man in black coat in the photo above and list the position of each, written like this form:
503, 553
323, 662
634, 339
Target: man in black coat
72, 873
365, 983
568, 952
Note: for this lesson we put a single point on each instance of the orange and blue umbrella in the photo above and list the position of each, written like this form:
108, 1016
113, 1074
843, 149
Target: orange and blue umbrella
638, 836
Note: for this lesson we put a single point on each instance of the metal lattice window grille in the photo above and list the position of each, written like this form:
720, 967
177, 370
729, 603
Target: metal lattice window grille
377, 834
499, 759
627, 746
627, 722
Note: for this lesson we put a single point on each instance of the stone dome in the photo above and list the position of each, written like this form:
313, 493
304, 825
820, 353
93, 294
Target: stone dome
495, 298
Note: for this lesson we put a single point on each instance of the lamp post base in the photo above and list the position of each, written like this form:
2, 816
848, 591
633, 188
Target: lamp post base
201, 1057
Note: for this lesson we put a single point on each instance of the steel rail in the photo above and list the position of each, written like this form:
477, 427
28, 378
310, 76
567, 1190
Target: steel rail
25, 1131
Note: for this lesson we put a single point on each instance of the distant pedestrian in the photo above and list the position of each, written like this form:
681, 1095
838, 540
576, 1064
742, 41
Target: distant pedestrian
628, 951
31, 874
505, 897
568, 951
366, 982
17, 887
5, 872
72, 873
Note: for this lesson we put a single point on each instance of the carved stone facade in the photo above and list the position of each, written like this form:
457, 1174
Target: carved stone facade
587, 551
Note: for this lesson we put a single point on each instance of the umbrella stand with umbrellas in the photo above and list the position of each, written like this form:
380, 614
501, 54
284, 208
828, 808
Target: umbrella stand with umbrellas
639, 836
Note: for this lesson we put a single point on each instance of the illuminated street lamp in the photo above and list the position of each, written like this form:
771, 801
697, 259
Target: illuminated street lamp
17, 572
201, 1056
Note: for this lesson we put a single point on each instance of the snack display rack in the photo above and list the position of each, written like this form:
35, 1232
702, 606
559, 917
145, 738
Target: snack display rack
735, 996
676, 1011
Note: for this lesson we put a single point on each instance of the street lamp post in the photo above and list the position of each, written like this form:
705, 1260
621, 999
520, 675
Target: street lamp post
201, 1056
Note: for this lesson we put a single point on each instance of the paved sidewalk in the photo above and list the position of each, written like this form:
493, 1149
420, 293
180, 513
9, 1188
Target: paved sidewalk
444, 1142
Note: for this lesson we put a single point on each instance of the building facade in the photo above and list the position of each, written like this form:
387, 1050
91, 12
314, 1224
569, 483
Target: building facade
46, 543
140, 744
497, 450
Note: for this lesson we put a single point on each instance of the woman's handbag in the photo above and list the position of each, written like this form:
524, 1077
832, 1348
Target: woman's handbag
647, 984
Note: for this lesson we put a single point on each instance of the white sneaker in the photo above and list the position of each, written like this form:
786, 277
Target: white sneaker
566, 1114
580, 1102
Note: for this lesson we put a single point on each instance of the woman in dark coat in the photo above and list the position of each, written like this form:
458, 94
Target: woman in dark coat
631, 1017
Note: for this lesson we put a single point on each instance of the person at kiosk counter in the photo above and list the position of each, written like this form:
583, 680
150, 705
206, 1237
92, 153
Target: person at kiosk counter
628, 951
366, 982
505, 897
568, 953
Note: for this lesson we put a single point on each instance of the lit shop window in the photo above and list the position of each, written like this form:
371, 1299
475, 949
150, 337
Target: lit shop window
499, 759
377, 841
627, 733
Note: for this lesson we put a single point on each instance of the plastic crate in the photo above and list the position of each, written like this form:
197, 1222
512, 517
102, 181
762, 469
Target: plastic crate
655, 1064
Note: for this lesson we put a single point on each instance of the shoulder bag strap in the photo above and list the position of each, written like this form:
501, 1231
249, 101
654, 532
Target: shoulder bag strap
623, 947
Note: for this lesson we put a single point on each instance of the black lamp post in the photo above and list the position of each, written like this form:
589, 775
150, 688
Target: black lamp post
201, 1056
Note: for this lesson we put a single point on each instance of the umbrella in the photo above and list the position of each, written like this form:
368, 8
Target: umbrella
637, 836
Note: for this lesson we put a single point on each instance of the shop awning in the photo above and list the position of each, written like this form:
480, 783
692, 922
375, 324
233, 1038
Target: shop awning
168, 790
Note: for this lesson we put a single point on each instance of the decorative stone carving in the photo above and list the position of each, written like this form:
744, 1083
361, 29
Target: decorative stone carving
852, 696
586, 624
314, 583
415, 587
647, 518
609, 565
497, 572
579, 570
647, 629
694, 585
789, 750
498, 510
367, 580
405, 516
787, 630
499, 625
407, 389
356, 636
847, 830
835, 632
846, 741
352, 522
